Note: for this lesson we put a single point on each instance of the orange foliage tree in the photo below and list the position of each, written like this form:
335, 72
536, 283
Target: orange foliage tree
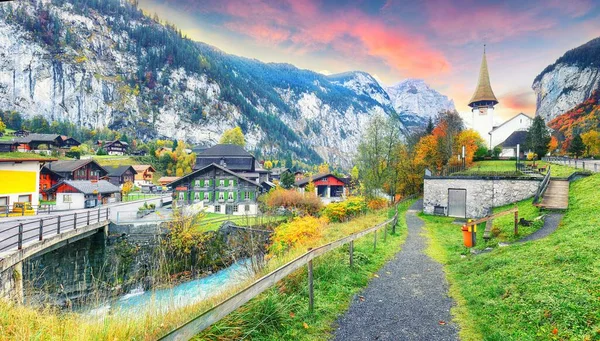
299, 232
471, 140
553, 145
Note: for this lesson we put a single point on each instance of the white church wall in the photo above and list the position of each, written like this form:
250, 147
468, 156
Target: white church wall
519, 122
482, 122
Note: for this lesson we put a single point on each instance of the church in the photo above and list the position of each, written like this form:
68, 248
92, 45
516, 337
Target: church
506, 135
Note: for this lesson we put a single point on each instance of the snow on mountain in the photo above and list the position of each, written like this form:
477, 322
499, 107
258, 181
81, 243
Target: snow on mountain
416, 101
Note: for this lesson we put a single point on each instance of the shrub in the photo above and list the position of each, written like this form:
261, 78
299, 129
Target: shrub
303, 203
377, 204
296, 233
342, 211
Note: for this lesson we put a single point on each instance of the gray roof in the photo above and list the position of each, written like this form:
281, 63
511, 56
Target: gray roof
241, 176
68, 165
119, 170
517, 137
38, 138
225, 150
88, 186
278, 170
12, 143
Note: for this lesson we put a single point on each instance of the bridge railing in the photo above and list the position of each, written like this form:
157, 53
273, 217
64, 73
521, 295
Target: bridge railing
15, 234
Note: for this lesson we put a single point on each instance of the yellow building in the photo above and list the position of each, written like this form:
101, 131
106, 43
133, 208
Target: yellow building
19, 183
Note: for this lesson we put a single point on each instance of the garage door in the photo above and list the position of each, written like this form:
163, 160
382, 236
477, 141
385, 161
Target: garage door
457, 203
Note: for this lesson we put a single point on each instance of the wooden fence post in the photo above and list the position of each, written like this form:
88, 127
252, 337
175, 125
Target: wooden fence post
516, 221
351, 253
98, 215
41, 229
311, 297
375, 241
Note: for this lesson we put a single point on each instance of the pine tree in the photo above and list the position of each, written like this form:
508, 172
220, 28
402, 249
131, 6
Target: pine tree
577, 147
538, 137
430, 127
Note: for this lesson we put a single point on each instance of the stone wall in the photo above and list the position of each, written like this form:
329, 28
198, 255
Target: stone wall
11, 283
482, 193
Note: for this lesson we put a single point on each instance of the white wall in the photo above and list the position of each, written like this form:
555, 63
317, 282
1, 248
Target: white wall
519, 122
77, 201
483, 123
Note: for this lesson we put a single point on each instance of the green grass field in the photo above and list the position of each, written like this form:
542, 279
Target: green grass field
138, 196
212, 221
6, 136
19, 155
115, 160
543, 290
505, 166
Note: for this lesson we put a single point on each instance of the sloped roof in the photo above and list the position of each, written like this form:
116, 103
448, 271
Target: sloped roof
483, 92
514, 117
143, 168
217, 166
69, 165
278, 170
517, 137
38, 138
315, 178
88, 186
119, 170
225, 150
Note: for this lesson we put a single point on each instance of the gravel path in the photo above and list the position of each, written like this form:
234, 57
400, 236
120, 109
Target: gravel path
408, 301
551, 222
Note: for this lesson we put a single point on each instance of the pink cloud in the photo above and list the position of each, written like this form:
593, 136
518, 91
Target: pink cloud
521, 101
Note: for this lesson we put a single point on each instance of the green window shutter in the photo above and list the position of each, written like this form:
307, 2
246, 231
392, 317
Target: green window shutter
226, 182
234, 195
233, 182
252, 195
210, 196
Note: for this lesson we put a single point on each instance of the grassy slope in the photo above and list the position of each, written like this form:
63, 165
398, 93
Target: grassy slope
509, 166
281, 313
115, 160
547, 289
24, 323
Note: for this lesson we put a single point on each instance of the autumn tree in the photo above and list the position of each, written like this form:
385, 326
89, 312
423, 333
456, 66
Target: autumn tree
2, 127
323, 168
471, 140
538, 137
553, 144
591, 139
127, 188
577, 147
268, 164
233, 136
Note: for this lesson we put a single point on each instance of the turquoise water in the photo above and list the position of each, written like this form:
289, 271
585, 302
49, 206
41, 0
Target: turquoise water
181, 295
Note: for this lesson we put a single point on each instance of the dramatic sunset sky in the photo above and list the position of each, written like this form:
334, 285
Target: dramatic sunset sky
439, 41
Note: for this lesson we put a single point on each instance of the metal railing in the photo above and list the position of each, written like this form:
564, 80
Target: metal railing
13, 210
213, 315
542, 187
584, 164
14, 234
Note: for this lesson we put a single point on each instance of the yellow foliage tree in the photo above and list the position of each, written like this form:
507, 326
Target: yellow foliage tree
323, 168
471, 140
552, 145
310, 187
297, 233
233, 136
268, 164
427, 152
591, 139
127, 188
2, 127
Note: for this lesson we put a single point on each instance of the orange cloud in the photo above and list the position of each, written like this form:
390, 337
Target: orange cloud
522, 101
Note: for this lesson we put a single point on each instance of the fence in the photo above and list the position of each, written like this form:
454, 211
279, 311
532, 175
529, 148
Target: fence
542, 187
198, 324
18, 210
584, 164
14, 234
490, 218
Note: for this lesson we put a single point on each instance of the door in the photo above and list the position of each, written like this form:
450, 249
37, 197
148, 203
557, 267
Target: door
228, 209
457, 203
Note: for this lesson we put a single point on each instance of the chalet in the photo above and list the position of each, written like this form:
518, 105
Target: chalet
21, 133
327, 186
48, 179
299, 175
217, 189
236, 159
20, 182
38, 142
165, 180
76, 194
78, 169
115, 147
121, 174
144, 174
68, 142
8, 146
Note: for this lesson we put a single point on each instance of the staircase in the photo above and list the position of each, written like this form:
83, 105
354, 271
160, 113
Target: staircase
556, 196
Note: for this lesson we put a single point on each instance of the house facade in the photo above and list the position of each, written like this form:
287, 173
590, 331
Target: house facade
77, 194
234, 158
115, 147
20, 182
121, 174
8, 146
78, 169
327, 186
217, 189
48, 179
144, 174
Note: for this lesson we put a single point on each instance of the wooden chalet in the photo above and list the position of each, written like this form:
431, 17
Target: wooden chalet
121, 174
78, 169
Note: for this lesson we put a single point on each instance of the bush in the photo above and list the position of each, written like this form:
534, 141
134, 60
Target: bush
377, 204
296, 233
303, 203
342, 211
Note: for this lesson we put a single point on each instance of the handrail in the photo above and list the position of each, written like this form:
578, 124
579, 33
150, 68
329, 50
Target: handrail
542, 187
191, 328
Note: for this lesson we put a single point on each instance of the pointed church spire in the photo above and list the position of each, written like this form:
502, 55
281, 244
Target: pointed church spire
484, 95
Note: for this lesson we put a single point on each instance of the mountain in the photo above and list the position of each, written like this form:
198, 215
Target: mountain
103, 63
416, 102
569, 81
581, 119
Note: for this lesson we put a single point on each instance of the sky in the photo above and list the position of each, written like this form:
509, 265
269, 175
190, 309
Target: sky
438, 41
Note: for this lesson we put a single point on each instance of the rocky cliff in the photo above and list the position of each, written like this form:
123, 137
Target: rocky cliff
569, 81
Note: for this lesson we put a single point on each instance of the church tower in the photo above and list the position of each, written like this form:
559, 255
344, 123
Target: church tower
482, 104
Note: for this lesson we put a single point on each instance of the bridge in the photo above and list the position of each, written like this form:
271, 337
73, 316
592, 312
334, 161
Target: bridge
23, 238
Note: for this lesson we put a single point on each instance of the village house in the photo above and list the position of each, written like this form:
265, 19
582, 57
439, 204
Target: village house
48, 179
8, 146
165, 180
328, 187
120, 175
144, 174
234, 158
77, 194
115, 147
45, 142
78, 169
20, 183
217, 189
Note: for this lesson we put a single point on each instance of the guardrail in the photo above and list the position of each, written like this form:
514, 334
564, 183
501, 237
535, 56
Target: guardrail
213, 315
542, 187
585, 164
18, 211
14, 234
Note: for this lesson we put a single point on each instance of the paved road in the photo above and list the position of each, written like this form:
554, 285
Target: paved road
9, 227
409, 300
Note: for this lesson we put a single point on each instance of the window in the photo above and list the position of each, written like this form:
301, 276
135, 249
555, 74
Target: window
206, 183
197, 183
3, 202
235, 208
217, 208
221, 196
222, 183
67, 198
230, 196
196, 196
206, 196
24, 198
246, 195
181, 195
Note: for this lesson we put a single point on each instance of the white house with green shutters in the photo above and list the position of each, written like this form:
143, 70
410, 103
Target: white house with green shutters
217, 189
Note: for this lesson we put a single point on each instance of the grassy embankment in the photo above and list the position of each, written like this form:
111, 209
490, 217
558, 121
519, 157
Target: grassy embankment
334, 286
505, 166
546, 289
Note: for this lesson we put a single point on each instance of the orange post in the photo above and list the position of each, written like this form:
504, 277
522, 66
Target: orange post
467, 236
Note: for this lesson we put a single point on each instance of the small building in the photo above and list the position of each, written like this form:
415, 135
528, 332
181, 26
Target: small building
78, 169
77, 194
165, 180
509, 146
115, 147
38, 142
48, 179
8, 146
20, 182
121, 174
144, 174
299, 175
267, 186
217, 189
327, 186
519, 123
67, 142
